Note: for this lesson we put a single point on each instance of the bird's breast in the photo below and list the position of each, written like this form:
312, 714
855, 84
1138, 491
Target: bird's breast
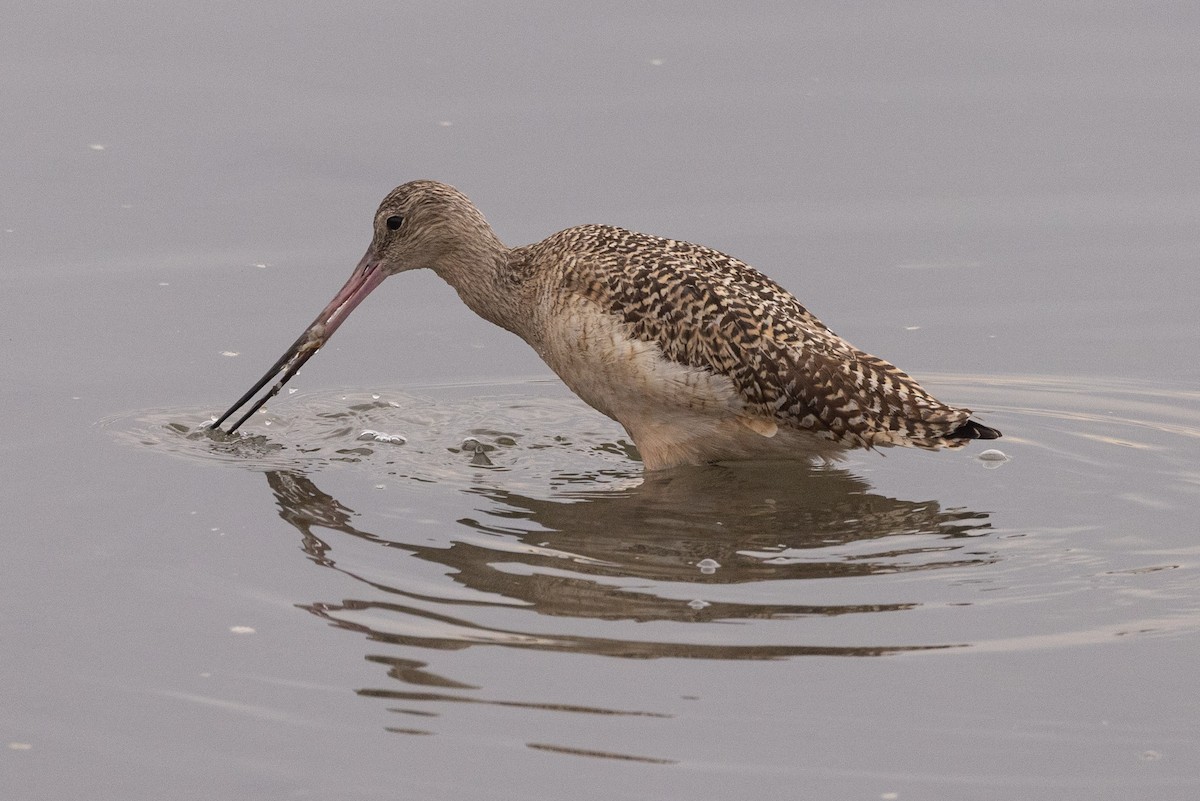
626, 378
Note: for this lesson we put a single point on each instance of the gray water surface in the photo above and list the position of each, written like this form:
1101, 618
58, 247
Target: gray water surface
1002, 201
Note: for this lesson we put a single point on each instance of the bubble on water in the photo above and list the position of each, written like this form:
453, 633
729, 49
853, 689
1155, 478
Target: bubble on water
708, 566
698, 604
992, 458
241, 630
1150, 756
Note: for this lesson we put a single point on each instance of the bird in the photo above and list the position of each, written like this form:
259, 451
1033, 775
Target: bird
699, 356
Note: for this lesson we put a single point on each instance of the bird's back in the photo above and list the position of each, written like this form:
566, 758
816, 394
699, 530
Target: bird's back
730, 339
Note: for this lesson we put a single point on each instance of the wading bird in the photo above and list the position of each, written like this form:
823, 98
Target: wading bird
698, 355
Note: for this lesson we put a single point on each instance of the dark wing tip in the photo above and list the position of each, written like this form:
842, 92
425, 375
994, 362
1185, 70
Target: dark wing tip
973, 430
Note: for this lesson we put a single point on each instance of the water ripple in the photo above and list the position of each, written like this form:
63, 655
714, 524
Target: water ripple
544, 535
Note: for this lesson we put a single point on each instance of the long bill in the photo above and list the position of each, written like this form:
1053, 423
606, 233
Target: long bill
366, 276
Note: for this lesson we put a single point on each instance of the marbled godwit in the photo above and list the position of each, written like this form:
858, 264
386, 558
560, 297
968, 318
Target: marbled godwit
699, 356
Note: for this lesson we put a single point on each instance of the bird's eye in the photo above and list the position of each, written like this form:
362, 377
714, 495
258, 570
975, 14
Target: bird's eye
393, 222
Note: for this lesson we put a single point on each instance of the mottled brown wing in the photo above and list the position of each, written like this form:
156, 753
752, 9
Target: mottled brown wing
708, 310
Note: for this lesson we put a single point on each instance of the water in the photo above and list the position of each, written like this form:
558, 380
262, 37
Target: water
504, 605
1009, 613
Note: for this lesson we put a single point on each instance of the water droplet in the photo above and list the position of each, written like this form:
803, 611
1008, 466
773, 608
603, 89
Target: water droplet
241, 630
698, 604
371, 435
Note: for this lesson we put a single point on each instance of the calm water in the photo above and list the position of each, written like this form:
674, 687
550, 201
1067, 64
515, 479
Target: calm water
1002, 202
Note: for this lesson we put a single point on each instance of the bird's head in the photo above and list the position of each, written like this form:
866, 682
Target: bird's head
421, 224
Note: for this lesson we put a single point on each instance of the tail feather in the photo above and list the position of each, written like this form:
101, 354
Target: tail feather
973, 430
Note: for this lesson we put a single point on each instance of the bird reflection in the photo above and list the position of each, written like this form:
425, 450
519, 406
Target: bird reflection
626, 555
598, 555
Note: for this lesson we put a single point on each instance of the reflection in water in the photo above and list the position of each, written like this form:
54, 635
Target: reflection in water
719, 562
636, 554
759, 521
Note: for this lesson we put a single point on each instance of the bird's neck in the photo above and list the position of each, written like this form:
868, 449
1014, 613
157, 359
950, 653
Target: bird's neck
480, 274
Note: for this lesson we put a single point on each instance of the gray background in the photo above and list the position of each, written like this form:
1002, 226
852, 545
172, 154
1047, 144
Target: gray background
1002, 198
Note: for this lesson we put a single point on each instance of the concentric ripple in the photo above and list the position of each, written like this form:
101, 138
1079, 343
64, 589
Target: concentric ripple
544, 535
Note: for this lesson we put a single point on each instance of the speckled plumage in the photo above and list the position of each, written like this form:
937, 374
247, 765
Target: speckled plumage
710, 312
698, 355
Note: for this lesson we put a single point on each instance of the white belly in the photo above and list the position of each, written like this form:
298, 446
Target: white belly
675, 414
